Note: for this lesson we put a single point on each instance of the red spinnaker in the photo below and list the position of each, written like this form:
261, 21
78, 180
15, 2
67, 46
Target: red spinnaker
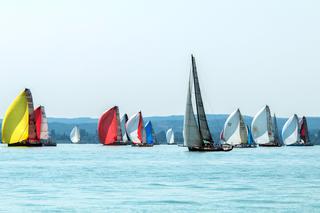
108, 127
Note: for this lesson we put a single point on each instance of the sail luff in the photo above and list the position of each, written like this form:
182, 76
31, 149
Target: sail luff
32, 126
243, 130
202, 119
270, 125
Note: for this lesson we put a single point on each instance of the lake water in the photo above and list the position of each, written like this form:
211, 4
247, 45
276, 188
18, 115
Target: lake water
96, 178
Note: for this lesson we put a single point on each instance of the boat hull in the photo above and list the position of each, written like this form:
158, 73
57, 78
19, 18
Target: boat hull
117, 143
269, 145
244, 146
26, 144
142, 145
223, 148
301, 145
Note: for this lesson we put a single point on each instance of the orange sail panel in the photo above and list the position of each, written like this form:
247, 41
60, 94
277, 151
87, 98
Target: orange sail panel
109, 129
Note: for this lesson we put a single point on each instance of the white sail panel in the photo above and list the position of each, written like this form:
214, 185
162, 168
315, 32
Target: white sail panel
290, 131
170, 136
235, 131
75, 135
191, 132
261, 126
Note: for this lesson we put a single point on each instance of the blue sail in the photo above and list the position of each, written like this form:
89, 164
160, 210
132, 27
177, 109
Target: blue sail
250, 138
149, 133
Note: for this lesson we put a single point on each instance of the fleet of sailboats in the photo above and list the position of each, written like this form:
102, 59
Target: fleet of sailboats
23, 125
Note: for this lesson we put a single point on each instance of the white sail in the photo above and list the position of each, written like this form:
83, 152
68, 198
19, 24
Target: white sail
123, 122
261, 127
170, 136
290, 131
191, 132
235, 131
75, 135
44, 132
135, 129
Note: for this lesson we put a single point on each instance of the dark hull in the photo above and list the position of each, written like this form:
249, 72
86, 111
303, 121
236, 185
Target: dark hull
223, 148
301, 144
26, 144
245, 146
171, 143
49, 144
142, 145
182, 145
117, 143
269, 145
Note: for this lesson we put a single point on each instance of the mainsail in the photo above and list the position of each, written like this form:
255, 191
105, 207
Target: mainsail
109, 129
135, 129
75, 135
123, 122
304, 133
290, 131
235, 131
170, 136
150, 135
262, 127
195, 132
201, 115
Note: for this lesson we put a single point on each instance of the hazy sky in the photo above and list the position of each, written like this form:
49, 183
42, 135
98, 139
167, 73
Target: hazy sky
81, 57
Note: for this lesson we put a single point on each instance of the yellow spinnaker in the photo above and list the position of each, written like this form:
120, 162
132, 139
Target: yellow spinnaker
15, 125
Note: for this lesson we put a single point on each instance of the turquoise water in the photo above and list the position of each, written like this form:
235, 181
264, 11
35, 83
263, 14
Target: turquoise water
93, 178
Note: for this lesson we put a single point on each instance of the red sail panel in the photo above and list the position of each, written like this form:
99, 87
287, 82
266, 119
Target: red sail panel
108, 126
140, 126
38, 120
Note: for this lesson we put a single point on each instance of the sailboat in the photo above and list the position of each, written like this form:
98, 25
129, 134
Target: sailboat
75, 135
235, 131
196, 133
290, 131
295, 132
109, 129
136, 131
262, 128
150, 135
18, 125
304, 132
42, 128
124, 119
170, 137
